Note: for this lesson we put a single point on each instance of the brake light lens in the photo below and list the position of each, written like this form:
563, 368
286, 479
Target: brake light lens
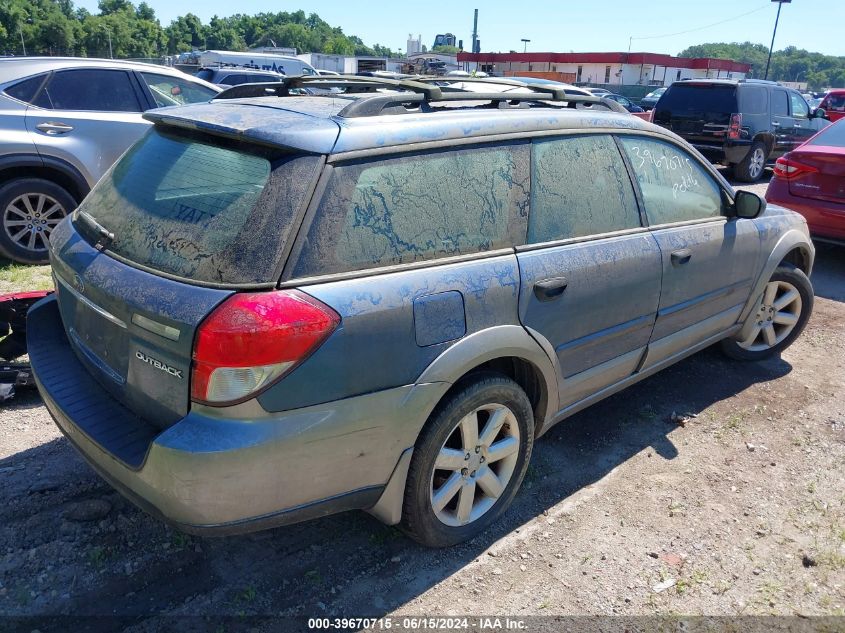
735, 127
252, 340
788, 169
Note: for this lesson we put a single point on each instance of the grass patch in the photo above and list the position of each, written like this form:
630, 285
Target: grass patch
20, 278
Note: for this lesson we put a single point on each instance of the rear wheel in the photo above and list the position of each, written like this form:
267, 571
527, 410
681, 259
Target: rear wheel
30, 208
468, 462
750, 168
782, 312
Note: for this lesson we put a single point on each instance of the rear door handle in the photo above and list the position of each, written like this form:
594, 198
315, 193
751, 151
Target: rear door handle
54, 128
681, 257
549, 289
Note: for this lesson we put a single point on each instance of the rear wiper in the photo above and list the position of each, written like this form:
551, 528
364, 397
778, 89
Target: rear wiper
103, 237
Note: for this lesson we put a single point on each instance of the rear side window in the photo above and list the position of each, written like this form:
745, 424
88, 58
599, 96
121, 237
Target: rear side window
780, 103
675, 188
26, 89
418, 207
687, 97
831, 102
201, 210
562, 206
831, 136
754, 100
89, 90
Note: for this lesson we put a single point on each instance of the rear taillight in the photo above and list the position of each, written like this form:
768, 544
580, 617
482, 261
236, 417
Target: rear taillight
735, 128
251, 340
788, 169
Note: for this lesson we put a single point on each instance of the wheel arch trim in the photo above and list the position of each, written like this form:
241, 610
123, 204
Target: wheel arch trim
17, 161
791, 240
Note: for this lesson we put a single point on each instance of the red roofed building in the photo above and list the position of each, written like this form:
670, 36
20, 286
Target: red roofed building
606, 68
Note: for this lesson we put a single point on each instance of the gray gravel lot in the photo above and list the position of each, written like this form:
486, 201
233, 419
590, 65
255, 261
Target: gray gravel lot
740, 510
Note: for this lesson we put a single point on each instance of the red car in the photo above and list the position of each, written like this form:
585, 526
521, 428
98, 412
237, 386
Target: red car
834, 104
811, 181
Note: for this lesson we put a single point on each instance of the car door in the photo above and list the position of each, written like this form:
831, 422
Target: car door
708, 259
590, 272
782, 123
87, 117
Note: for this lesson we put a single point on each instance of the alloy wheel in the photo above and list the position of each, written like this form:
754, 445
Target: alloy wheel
758, 162
475, 465
29, 219
777, 315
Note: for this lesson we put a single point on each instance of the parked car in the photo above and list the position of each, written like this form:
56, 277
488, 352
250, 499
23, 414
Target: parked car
235, 76
744, 123
598, 92
833, 104
650, 100
235, 346
811, 181
63, 122
625, 102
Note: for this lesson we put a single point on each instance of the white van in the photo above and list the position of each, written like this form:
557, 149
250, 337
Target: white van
263, 61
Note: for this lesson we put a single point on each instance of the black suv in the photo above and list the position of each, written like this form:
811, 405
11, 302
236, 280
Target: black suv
744, 123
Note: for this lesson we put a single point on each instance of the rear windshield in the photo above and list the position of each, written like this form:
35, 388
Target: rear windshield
699, 98
210, 211
831, 136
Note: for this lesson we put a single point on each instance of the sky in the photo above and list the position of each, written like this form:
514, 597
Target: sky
657, 26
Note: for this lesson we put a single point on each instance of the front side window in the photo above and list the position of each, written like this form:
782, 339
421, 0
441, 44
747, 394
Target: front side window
418, 207
579, 187
800, 109
169, 91
89, 90
674, 186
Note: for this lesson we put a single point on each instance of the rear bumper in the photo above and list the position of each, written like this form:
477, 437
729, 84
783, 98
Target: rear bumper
728, 153
216, 475
826, 220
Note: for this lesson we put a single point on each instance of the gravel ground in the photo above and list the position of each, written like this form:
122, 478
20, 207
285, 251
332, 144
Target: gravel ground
712, 488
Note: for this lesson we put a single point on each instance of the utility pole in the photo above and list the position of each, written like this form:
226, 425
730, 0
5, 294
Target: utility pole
111, 55
23, 44
525, 45
771, 47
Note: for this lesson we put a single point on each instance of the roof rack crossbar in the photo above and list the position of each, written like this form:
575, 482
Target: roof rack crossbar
417, 91
283, 87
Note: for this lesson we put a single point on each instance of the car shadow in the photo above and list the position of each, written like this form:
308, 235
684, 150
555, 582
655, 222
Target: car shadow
347, 564
829, 271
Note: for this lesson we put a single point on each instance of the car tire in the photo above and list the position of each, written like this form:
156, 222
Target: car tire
30, 208
468, 462
781, 314
751, 168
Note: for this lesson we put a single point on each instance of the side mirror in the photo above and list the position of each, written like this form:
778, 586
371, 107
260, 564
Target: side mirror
818, 113
748, 205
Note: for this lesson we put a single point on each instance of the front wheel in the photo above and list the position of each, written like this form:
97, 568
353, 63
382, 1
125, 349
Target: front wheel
782, 312
468, 462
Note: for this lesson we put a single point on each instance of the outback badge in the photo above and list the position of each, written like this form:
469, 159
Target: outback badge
158, 364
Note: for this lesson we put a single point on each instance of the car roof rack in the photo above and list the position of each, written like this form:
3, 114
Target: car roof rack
419, 91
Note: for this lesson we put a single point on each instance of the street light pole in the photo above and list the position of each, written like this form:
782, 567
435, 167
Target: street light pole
525, 45
23, 44
111, 55
771, 47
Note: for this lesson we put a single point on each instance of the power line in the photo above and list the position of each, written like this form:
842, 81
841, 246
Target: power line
701, 28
